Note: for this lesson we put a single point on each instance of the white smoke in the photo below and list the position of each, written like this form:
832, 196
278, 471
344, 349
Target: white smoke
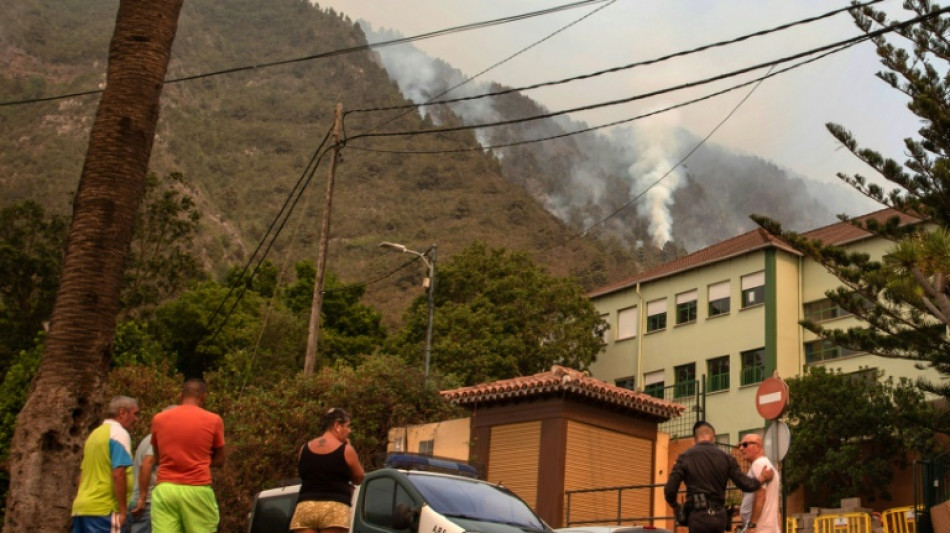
657, 149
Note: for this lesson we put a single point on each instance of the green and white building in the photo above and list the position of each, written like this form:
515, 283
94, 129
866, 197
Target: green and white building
722, 319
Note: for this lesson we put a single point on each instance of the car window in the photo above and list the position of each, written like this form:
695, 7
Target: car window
382, 495
452, 496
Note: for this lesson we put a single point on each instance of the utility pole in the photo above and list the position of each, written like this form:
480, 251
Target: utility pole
316, 306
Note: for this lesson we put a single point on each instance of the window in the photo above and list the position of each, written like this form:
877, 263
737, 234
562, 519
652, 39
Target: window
753, 289
427, 447
824, 350
753, 366
627, 323
718, 371
685, 380
686, 307
719, 299
656, 315
823, 310
382, 496
654, 384
629, 383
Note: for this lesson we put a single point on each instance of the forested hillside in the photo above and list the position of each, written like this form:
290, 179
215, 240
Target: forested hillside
243, 139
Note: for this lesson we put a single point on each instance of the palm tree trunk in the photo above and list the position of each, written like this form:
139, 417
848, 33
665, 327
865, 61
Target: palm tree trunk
65, 400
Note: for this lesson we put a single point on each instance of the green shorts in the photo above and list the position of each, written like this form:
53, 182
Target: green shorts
184, 509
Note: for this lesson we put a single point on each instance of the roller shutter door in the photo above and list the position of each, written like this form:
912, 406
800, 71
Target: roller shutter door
600, 458
513, 458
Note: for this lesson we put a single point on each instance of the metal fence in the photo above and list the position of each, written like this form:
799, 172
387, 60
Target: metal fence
692, 394
931, 487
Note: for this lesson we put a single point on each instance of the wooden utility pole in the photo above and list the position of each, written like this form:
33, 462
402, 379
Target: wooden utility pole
316, 306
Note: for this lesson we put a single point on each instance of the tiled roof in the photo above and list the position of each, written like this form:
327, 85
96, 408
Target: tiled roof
845, 232
561, 380
757, 239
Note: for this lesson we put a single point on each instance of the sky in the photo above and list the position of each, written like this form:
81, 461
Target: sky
783, 120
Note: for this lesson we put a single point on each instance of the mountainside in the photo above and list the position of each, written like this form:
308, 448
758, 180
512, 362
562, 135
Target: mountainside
244, 139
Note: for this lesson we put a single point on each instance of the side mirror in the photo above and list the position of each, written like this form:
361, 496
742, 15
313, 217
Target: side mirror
404, 516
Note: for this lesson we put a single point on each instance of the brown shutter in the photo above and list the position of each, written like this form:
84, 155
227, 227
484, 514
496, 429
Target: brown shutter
513, 458
600, 458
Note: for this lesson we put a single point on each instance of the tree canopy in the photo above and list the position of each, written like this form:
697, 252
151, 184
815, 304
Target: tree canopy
903, 298
498, 315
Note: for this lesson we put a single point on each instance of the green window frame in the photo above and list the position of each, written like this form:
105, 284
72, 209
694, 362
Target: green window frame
825, 350
822, 310
718, 371
753, 366
685, 380
655, 389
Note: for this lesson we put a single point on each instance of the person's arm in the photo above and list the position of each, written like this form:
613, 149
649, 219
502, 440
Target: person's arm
145, 478
743, 482
672, 486
353, 460
757, 506
119, 486
218, 456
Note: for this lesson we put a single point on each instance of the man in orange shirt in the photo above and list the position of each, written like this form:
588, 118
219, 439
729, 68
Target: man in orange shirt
188, 441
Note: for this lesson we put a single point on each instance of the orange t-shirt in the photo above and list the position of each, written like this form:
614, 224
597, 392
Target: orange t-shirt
186, 437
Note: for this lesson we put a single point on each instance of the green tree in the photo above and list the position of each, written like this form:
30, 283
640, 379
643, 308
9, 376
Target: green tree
160, 261
851, 431
498, 315
903, 299
31, 254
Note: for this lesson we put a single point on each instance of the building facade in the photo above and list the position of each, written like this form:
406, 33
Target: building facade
724, 318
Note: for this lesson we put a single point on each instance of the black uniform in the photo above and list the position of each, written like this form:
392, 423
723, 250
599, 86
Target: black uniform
706, 470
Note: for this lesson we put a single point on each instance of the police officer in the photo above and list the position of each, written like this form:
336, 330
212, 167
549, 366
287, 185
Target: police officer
706, 470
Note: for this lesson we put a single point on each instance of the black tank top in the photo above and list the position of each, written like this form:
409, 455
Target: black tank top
324, 477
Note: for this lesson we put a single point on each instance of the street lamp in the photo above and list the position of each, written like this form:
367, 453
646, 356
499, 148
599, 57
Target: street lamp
429, 259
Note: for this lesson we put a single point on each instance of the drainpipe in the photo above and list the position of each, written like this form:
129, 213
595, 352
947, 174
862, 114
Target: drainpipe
640, 311
801, 316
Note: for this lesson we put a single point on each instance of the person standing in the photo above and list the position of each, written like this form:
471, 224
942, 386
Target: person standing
327, 465
101, 501
760, 509
706, 470
144, 473
188, 441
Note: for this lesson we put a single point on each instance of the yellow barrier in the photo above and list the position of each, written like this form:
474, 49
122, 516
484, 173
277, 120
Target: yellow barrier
791, 524
899, 520
843, 523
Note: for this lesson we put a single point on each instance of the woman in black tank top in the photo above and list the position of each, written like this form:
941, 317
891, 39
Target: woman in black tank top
327, 465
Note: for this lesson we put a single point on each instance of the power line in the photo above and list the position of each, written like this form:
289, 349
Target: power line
333, 53
688, 85
434, 101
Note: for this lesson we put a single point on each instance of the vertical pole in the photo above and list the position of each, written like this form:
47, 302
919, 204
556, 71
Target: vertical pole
431, 265
317, 304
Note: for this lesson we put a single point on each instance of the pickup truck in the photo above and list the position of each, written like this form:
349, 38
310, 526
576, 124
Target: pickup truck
394, 500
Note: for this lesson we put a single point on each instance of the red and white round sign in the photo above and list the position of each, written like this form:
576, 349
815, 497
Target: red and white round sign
772, 398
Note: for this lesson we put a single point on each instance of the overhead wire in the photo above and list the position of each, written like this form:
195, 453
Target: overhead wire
688, 85
332, 53
435, 100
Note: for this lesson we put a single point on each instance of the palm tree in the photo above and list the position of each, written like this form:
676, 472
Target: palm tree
66, 398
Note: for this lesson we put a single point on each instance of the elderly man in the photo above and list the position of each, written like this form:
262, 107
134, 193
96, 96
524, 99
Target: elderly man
760, 509
706, 470
101, 502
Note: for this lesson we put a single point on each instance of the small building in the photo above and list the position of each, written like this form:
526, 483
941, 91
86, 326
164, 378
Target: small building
547, 434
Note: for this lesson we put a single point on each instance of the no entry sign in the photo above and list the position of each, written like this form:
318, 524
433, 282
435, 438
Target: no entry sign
772, 398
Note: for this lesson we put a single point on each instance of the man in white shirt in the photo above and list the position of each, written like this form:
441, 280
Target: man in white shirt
760, 509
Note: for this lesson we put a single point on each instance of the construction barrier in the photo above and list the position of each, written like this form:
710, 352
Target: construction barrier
899, 520
791, 524
843, 523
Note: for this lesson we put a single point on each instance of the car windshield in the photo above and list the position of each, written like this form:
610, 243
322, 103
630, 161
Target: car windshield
463, 498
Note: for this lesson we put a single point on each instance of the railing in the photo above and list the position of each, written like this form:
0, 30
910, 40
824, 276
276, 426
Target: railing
691, 394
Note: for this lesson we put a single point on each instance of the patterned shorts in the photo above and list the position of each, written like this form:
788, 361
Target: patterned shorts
320, 515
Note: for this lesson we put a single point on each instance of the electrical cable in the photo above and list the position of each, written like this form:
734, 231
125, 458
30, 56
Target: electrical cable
371, 281
688, 85
410, 107
434, 101
333, 53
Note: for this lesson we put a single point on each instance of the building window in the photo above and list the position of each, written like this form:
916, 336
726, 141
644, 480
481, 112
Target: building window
823, 310
654, 384
427, 447
753, 289
685, 380
753, 366
824, 350
686, 307
718, 371
629, 383
656, 315
627, 323
719, 299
